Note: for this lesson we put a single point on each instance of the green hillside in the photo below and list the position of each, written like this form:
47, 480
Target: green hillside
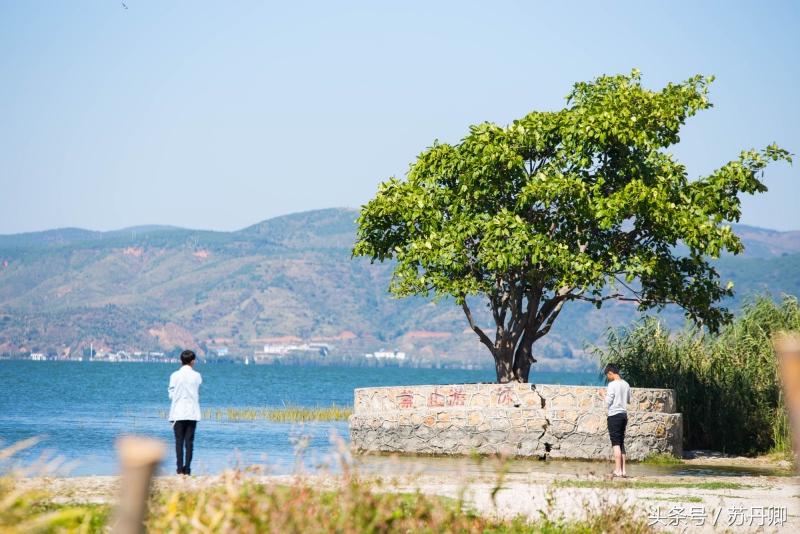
157, 288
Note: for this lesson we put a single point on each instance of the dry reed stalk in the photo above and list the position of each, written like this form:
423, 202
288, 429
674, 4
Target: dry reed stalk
787, 351
139, 458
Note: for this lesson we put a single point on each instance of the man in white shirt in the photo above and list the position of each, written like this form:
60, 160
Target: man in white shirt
184, 391
618, 395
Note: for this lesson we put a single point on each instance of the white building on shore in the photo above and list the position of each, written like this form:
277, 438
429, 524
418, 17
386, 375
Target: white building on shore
386, 355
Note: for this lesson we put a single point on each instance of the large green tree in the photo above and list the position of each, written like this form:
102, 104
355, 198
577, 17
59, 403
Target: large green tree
584, 203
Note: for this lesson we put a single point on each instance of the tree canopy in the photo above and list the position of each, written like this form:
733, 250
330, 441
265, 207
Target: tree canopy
583, 203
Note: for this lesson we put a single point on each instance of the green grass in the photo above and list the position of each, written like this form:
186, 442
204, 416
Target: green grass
641, 484
661, 458
286, 414
320, 413
673, 498
95, 516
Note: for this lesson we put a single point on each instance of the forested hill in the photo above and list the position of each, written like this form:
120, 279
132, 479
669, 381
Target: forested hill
160, 287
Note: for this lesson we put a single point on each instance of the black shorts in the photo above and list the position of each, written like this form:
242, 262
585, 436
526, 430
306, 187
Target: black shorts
616, 429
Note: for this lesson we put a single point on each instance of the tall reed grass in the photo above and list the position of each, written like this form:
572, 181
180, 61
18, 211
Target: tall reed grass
727, 384
285, 414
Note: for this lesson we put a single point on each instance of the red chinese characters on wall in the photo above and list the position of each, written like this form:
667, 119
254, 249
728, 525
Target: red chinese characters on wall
505, 397
405, 399
456, 397
436, 400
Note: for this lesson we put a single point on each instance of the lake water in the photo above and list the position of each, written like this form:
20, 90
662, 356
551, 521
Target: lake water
79, 408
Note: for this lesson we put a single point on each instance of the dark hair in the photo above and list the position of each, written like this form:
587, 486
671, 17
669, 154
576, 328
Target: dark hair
187, 357
611, 367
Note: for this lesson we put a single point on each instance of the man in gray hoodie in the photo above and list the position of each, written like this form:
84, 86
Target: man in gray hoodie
618, 395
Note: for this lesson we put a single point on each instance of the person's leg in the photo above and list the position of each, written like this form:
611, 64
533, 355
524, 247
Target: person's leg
190, 428
617, 460
622, 446
180, 434
614, 428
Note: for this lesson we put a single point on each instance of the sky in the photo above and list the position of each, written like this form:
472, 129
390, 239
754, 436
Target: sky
217, 115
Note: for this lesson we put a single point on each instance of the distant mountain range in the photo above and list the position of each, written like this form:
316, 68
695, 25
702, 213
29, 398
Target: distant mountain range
285, 279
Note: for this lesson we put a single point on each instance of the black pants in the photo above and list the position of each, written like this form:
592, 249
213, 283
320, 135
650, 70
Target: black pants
616, 430
184, 435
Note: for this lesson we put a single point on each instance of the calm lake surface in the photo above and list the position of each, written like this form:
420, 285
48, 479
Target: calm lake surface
79, 408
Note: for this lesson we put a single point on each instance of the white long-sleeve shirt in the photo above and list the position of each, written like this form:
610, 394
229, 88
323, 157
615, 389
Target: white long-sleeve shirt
618, 395
184, 391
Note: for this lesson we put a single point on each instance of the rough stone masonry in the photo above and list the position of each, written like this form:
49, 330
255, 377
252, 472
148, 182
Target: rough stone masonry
545, 421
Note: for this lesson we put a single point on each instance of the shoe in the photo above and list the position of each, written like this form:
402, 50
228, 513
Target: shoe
187, 471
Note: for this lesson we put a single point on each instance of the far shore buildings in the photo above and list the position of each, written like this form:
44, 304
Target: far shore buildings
386, 355
288, 350
273, 351
42, 357
219, 350
137, 356
282, 349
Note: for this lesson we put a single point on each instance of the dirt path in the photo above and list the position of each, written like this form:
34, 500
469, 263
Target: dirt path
660, 500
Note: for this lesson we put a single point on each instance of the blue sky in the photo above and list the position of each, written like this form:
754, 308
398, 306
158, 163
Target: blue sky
221, 114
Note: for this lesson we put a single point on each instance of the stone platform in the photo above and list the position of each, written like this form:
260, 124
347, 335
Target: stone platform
545, 421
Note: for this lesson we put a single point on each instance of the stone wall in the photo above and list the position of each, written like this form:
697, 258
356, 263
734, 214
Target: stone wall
545, 421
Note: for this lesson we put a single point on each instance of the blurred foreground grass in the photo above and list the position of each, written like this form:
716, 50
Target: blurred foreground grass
240, 501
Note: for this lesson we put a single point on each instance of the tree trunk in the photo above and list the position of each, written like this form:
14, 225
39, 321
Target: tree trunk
514, 365
522, 365
504, 366
523, 358
512, 348
514, 368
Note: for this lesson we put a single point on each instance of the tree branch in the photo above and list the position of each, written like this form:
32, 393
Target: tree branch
483, 337
622, 298
550, 320
550, 305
